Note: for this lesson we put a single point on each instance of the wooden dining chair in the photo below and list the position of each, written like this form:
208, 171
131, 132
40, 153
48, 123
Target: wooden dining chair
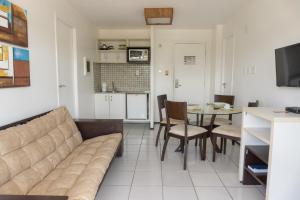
183, 132
220, 121
229, 99
228, 132
161, 99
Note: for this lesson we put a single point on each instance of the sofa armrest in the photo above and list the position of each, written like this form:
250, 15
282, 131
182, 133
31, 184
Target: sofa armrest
28, 197
91, 128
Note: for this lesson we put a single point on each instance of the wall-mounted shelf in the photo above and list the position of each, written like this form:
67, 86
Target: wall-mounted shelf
111, 51
118, 53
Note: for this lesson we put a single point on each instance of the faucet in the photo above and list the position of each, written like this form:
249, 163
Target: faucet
113, 87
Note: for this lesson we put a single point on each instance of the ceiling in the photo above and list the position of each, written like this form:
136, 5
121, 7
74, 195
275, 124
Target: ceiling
130, 13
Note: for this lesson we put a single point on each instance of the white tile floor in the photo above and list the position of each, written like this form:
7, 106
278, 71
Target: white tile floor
140, 175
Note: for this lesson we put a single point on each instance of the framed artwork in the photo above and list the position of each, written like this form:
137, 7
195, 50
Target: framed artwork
14, 53
14, 67
13, 24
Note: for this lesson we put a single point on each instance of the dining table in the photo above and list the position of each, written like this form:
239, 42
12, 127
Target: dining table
213, 111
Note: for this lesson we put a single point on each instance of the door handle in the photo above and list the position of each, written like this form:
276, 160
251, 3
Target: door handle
111, 98
224, 85
62, 86
177, 84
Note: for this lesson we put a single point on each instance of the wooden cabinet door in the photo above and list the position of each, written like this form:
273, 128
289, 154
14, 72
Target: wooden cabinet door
117, 106
102, 106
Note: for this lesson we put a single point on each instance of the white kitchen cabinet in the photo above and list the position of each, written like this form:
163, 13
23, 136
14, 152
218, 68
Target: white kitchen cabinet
110, 106
117, 106
137, 107
102, 106
112, 56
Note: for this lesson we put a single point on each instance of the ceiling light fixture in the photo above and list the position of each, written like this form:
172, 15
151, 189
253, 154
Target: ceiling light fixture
159, 16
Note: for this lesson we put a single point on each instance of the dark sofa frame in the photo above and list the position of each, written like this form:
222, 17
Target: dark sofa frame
89, 128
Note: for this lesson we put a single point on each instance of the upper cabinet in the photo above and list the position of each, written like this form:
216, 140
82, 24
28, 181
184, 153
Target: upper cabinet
115, 50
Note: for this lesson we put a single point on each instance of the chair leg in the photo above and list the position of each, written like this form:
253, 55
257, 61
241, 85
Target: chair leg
185, 153
201, 147
165, 134
182, 145
204, 147
221, 146
164, 148
214, 147
225, 144
158, 135
196, 142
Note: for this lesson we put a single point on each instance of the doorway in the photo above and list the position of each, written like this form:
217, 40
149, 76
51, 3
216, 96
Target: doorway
228, 65
189, 72
66, 66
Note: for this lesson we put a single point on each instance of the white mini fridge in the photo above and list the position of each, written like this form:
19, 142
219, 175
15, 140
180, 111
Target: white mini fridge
137, 106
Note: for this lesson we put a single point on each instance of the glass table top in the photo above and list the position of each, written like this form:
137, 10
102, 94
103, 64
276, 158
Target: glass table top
210, 109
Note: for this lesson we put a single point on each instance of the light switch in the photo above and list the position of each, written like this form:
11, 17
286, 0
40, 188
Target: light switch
253, 70
137, 72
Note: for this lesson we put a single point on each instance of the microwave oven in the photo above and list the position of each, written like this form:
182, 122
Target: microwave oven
138, 55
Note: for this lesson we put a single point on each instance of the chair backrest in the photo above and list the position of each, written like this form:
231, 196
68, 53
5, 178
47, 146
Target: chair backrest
176, 110
225, 99
253, 104
161, 99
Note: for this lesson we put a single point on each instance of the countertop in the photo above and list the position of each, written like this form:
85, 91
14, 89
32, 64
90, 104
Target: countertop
273, 114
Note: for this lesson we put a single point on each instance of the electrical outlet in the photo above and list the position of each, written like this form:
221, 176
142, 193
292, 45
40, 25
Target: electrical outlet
167, 73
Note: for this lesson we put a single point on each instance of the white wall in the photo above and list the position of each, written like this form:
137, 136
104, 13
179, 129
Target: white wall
124, 33
18, 103
259, 28
164, 49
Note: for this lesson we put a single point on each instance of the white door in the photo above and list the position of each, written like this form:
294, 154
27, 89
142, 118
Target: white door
65, 61
228, 65
117, 106
102, 106
189, 73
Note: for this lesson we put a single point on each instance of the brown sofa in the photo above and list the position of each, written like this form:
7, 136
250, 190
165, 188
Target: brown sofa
53, 157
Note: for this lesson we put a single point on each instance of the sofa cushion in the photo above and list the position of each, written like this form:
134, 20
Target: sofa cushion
28, 153
81, 173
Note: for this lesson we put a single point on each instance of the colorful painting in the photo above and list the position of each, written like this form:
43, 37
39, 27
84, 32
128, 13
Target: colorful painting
14, 67
14, 61
13, 24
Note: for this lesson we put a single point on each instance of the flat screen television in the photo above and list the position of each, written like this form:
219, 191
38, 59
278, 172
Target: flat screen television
288, 66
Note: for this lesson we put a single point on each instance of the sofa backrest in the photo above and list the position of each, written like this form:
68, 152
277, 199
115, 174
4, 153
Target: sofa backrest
29, 152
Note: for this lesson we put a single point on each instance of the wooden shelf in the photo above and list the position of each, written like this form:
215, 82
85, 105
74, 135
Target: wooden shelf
262, 134
261, 178
255, 155
261, 152
112, 50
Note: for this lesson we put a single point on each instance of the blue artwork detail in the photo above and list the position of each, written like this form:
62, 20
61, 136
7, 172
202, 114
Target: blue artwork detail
21, 54
7, 4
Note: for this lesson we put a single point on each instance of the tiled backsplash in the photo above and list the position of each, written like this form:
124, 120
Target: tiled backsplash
123, 75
